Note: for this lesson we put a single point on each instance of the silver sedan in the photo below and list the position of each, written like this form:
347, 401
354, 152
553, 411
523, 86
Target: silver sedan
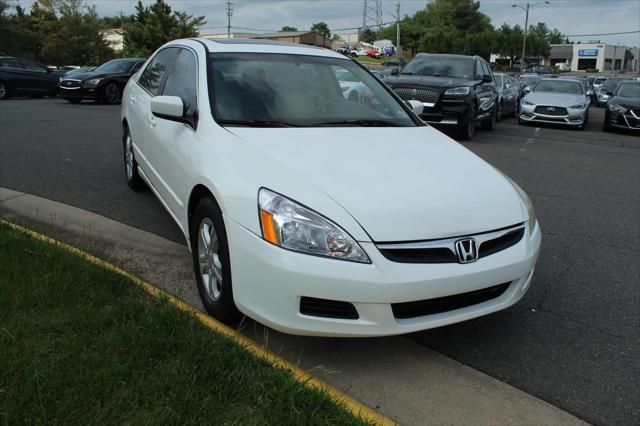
556, 101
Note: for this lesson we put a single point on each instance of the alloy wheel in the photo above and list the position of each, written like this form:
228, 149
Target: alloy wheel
3, 90
112, 93
129, 156
209, 262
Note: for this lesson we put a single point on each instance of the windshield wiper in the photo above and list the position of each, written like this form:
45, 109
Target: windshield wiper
362, 123
256, 123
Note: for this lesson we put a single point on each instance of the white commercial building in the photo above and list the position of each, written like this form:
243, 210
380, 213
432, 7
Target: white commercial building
598, 56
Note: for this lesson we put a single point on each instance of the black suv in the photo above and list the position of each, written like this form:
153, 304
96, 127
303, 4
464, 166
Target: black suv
103, 84
457, 91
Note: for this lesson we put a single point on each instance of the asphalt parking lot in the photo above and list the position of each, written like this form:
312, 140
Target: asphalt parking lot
573, 341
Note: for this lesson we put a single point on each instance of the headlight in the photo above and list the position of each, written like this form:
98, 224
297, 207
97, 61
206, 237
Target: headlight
526, 102
603, 96
527, 201
458, 91
287, 224
578, 106
617, 108
92, 82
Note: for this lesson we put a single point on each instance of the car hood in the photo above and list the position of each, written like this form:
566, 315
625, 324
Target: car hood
627, 102
421, 80
92, 74
557, 99
399, 184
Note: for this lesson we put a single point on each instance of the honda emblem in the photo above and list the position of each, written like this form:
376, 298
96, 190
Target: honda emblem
466, 250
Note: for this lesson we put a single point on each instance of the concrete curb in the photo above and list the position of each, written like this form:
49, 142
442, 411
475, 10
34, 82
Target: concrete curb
405, 381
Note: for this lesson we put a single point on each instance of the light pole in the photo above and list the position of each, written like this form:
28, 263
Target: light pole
526, 25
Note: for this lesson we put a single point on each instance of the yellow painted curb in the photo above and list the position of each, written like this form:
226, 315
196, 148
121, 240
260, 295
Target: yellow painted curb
355, 407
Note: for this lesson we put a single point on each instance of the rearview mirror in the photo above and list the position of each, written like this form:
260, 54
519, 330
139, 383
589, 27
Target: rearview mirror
527, 89
416, 106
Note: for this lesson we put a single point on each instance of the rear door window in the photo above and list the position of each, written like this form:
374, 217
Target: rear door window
10, 63
33, 66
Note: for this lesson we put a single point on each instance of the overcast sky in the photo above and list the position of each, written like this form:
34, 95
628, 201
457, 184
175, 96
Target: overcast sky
569, 16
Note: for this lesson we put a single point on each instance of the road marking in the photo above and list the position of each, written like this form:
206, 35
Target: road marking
537, 129
356, 408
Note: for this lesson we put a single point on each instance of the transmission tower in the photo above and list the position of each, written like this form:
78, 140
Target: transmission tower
372, 14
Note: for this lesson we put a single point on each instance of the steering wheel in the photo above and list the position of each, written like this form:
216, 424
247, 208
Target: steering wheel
330, 102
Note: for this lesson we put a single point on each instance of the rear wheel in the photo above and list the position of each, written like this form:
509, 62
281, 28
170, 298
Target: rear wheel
211, 264
500, 109
4, 90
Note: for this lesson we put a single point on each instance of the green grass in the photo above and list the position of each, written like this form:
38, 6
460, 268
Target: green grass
83, 345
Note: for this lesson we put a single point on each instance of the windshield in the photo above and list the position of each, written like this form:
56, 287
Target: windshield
439, 66
629, 90
498, 79
599, 81
610, 85
559, 86
528, 81
280, 90
116, 65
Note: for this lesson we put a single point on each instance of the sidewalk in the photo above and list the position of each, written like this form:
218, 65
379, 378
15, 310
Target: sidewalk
393, 375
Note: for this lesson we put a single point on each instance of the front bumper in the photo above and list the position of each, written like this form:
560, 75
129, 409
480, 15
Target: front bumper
629, 120
79, 92
573, 118
269, 283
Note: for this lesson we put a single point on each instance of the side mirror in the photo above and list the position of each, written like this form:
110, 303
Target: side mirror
527, 89
416, 106
172, 108
589, 92
487, 78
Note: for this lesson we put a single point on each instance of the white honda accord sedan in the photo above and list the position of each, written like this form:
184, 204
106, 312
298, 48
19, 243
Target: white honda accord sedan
313, 213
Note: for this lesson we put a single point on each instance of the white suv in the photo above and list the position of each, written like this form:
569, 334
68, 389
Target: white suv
314, 213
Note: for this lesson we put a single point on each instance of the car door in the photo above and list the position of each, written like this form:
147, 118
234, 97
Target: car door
36, 78
173, 141
12, 73
141, 121
487, 91
509, 93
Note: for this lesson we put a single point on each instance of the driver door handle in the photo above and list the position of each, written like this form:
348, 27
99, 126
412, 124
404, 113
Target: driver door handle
152, 121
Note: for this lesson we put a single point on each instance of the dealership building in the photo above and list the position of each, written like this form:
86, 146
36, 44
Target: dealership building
598, 56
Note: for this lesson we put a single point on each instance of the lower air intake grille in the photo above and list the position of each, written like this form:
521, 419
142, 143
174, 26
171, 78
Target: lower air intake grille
327, 308
422, 308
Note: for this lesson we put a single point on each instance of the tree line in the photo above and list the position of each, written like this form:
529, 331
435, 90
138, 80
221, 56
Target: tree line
68, 32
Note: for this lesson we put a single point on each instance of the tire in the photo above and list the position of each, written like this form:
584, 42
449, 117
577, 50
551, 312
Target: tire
468, 128
500, 109
5, 93
111, 94
490, 124
211, 264
134, 180
516, 108
605, 125
584, 123
74, 100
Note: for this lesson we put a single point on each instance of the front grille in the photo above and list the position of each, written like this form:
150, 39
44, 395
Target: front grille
69, 84
422, 95
438, 305
327, 308
445, 252
550, 110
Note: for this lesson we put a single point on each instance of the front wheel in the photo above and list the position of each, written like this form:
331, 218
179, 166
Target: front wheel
211, 264
490, 124
605, 125
134, 180
468, 128
4, 90
111, 94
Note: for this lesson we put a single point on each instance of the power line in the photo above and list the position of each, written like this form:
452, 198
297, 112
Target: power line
604, 34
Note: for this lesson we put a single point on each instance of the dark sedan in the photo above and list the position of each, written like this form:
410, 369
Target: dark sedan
104, 84
623, 108
26, 77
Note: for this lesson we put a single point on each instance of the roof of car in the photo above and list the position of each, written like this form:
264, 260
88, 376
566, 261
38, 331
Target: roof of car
252, 45
448, 55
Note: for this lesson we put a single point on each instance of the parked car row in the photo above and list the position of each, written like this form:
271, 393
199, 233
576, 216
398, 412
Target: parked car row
26, 77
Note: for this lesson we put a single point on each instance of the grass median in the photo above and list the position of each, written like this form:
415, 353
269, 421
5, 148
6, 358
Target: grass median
83, 345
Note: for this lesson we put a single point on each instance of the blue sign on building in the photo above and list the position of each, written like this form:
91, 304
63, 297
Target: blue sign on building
588, 52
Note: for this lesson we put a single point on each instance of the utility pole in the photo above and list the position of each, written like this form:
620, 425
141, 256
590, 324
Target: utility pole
229, 15
613, 62
399, 52
526, 26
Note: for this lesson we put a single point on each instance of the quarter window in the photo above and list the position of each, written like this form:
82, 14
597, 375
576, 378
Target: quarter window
151, 78
33, 66
10, 63
182, 81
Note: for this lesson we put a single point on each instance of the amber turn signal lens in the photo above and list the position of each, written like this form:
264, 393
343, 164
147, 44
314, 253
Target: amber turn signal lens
268, 228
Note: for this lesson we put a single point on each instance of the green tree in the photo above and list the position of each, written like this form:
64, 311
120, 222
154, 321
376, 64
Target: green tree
322, 28
509, 42
288, 28
154, 25
368, 35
